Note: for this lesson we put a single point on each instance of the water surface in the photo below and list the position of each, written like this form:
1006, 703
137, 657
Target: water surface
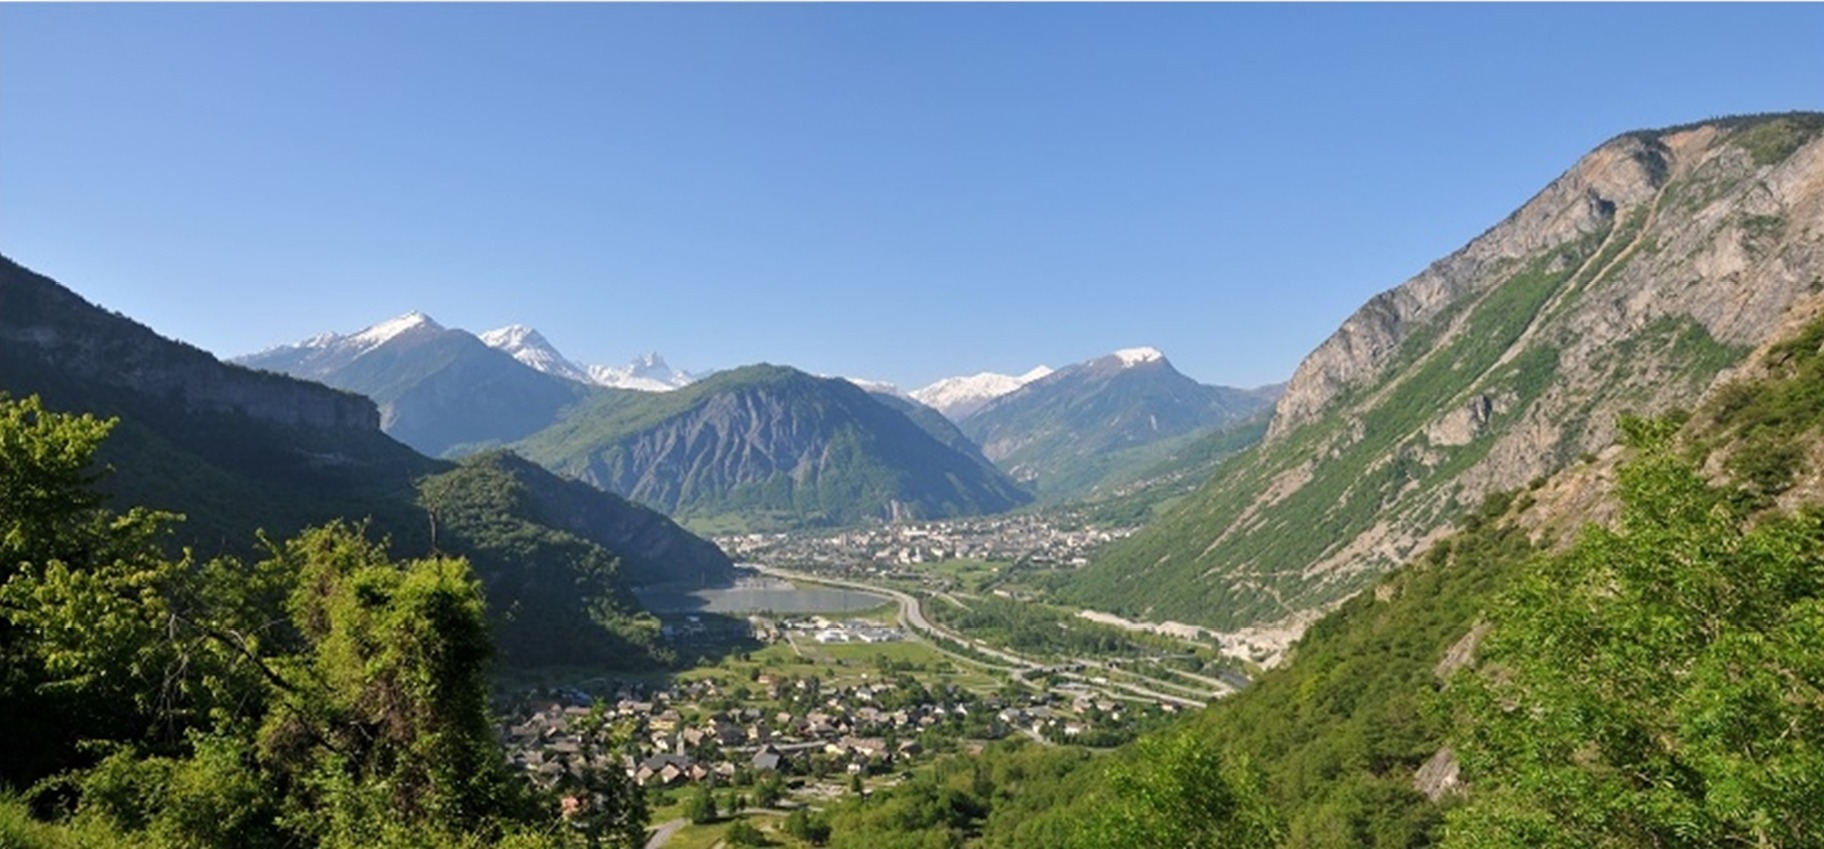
758, 595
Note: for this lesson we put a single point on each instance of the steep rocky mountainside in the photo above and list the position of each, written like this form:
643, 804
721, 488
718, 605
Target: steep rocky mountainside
441, 391
237, 451
1627, 285
1356, 683
1065, 433
767, 446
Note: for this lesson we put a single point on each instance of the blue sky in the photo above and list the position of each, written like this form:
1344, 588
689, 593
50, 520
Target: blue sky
899, 192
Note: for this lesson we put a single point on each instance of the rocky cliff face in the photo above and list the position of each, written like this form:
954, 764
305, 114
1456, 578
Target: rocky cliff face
43, 325
1627, 285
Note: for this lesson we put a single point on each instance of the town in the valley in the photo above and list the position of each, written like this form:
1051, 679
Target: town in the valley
804, 706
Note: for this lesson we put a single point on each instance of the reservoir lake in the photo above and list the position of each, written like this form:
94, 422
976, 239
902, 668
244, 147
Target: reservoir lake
757, 594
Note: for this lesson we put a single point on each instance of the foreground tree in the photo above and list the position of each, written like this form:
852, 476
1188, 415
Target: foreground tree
1177, 791
1658, 684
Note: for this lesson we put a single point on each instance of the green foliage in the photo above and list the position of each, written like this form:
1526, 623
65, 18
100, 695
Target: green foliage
769, 790
1177, 791
46, 478
1772, 140
1338, 732
1656, 685
744, 833
1035, 628
700, 805
807, 826
386, 713
1764, 423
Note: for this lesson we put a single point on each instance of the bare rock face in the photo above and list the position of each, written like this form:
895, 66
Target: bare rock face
1627, 285
1462, 425
1462, 653
1439, 776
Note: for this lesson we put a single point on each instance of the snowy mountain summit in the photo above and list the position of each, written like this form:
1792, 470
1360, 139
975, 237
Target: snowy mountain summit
532, 348
1138, 356
323, 353
648, 372
959, 397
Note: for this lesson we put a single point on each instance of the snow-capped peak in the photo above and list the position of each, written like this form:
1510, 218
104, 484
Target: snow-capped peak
875, 386
648, 372
390, 329
1138, 356
512, 336
959, 397
532, 348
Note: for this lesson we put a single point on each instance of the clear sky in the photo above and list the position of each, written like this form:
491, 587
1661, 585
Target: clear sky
898, 192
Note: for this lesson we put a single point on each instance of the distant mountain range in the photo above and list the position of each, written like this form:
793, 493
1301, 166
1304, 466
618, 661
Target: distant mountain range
1064, 434
755, 447
237, 451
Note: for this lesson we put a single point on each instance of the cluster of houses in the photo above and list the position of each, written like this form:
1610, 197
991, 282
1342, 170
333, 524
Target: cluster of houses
703, 731
677, 738
1026, 537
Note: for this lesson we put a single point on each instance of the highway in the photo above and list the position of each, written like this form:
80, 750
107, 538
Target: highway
912, 617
